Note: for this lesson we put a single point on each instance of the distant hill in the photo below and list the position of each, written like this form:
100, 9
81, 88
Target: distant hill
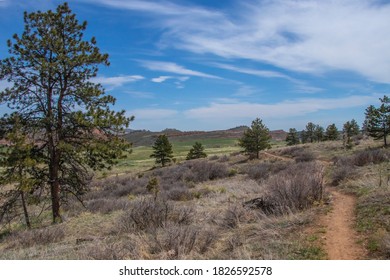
147, 138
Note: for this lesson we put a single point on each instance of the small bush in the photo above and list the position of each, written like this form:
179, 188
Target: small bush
146, 214
35, 237
107, 205
342, 172
149, 214
371, 156
179, 194
304, 156
293, 189
173, 242
291, 151
223, 158
259, 171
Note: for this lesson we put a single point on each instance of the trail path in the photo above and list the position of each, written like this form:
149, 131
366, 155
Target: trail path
340, 237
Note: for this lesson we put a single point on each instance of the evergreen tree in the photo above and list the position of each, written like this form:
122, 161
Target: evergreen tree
318, 133
310, 132
163, 152
255, 138
350, 129
292, 137
197, 151
378, 120
355, 129
303, 137
66, 117
331, 132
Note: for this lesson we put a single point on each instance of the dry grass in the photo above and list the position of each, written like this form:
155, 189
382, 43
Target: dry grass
199, 212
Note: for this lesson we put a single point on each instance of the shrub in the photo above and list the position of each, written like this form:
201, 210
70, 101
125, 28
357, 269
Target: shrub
35, 237
304, 156
173, 242
371, 156
148, 214
259, 171
293, 189
107, 205
179, 194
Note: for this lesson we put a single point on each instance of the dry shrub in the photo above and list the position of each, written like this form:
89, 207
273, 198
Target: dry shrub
111, 250
145, 214
107, 205
148, 214
263, 170
223, 158
304, 156
259, 171
180, 242
297, 187
373, 156
293, 189
291, 151
236, 215
342, 172
204, 170
173, 242
179, 194
35, 237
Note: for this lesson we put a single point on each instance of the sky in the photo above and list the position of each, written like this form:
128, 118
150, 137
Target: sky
210, 65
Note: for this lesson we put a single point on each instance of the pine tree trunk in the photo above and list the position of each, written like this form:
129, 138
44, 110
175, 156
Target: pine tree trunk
55, 189
25, 212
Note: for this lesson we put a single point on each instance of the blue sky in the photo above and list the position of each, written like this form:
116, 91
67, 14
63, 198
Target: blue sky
206, 65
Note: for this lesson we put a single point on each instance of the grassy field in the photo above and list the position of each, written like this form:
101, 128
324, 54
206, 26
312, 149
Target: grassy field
201, 208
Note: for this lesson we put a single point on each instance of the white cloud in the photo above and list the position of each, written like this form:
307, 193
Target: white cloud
229, 111
141, 94
117, 81
161, 79
171, 67
153, 114
254, 72
312, 36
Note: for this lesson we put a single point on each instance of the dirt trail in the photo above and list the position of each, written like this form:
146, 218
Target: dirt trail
340, 237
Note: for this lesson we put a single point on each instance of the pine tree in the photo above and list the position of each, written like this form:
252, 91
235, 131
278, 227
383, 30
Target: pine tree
163, 152
197, 151
67, 117
378, 120
331, 133
350, 129
292, 137
255, 138
318, 133
310, 132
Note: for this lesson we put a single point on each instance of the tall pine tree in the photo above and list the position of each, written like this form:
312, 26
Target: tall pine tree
162, 150
255, 138
377, 123
67, 117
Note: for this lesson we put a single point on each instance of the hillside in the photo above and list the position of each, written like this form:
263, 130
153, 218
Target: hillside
289, 204
147, 138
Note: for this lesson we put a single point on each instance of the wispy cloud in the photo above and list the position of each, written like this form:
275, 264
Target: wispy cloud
227, 111
174, 68
254, 72
312, 36
141, 94
161, 79
153, 114
117, 81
